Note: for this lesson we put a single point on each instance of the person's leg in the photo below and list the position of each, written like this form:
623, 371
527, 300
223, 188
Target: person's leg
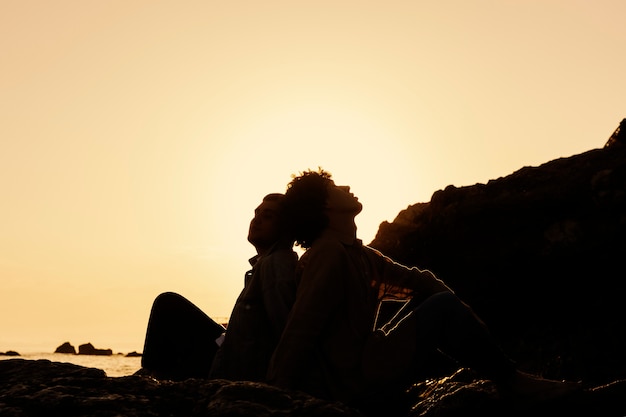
180, 339
445, 323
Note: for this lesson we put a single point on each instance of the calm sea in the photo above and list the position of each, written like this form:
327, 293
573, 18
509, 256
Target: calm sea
113, 365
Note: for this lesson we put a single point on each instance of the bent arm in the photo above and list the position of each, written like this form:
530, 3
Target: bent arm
398, 278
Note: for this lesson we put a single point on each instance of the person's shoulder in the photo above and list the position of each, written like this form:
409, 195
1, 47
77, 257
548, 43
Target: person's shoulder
327, 244
327, 250
280, 250
285, 255
280, 255
377, 256
374, 252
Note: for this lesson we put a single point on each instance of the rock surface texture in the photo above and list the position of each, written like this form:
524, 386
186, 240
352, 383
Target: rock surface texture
30, 388
44, 388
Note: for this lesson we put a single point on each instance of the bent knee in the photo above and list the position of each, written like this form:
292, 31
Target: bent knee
167, 298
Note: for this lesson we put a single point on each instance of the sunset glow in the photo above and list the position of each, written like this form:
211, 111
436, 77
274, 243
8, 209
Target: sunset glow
139, 136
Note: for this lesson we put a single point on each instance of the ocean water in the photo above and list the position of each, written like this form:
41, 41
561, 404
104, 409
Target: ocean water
113, 365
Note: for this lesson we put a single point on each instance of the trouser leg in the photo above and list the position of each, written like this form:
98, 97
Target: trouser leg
180, 339
444, 322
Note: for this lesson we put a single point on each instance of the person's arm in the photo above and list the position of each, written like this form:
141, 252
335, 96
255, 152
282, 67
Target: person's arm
320, 291
278, 283
397, 277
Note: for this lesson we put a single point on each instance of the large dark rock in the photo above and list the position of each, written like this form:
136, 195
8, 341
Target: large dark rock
539, 254
30, 388
42, 388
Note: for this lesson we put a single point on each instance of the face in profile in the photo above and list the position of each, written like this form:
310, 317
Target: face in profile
265, 227
339, 199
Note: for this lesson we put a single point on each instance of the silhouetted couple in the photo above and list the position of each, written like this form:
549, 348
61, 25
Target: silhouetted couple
328, 346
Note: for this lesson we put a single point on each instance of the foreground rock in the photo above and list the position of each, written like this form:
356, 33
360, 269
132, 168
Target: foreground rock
31, 388
42, 388
463, 394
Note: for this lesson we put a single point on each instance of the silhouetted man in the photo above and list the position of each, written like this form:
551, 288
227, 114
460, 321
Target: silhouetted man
183, 342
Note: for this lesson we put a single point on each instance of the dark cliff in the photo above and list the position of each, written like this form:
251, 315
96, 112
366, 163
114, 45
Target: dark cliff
539, 255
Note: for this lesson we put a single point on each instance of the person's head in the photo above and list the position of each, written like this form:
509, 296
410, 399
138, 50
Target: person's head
269, 224
313, 200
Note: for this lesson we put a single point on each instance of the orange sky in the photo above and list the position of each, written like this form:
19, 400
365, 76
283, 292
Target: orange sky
138, 136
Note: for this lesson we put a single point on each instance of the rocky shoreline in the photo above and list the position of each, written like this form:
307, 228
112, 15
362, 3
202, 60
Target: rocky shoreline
84, 349
32, 388
88, 349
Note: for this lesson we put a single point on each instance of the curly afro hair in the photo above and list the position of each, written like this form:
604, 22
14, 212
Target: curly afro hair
305, 201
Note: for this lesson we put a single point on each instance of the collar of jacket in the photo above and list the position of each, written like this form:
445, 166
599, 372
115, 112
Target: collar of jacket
253, 261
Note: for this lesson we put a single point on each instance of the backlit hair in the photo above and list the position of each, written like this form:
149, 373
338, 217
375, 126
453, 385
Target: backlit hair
305, 200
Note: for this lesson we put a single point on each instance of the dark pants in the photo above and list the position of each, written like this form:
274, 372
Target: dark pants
446, 324
180, 339
435, 337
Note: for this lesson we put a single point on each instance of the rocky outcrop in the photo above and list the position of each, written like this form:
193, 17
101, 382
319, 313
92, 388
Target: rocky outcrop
539, 254
44, 388
9, 353
619, 136
66, 348
463, 394
84, 349
30, 388
89, 349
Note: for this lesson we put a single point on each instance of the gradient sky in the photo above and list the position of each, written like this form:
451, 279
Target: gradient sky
137, 137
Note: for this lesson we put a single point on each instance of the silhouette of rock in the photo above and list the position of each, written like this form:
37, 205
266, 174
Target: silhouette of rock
89, 349
133, 354
539, 254
44, 388
619, 136
66, 348
9, 353
463, 394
